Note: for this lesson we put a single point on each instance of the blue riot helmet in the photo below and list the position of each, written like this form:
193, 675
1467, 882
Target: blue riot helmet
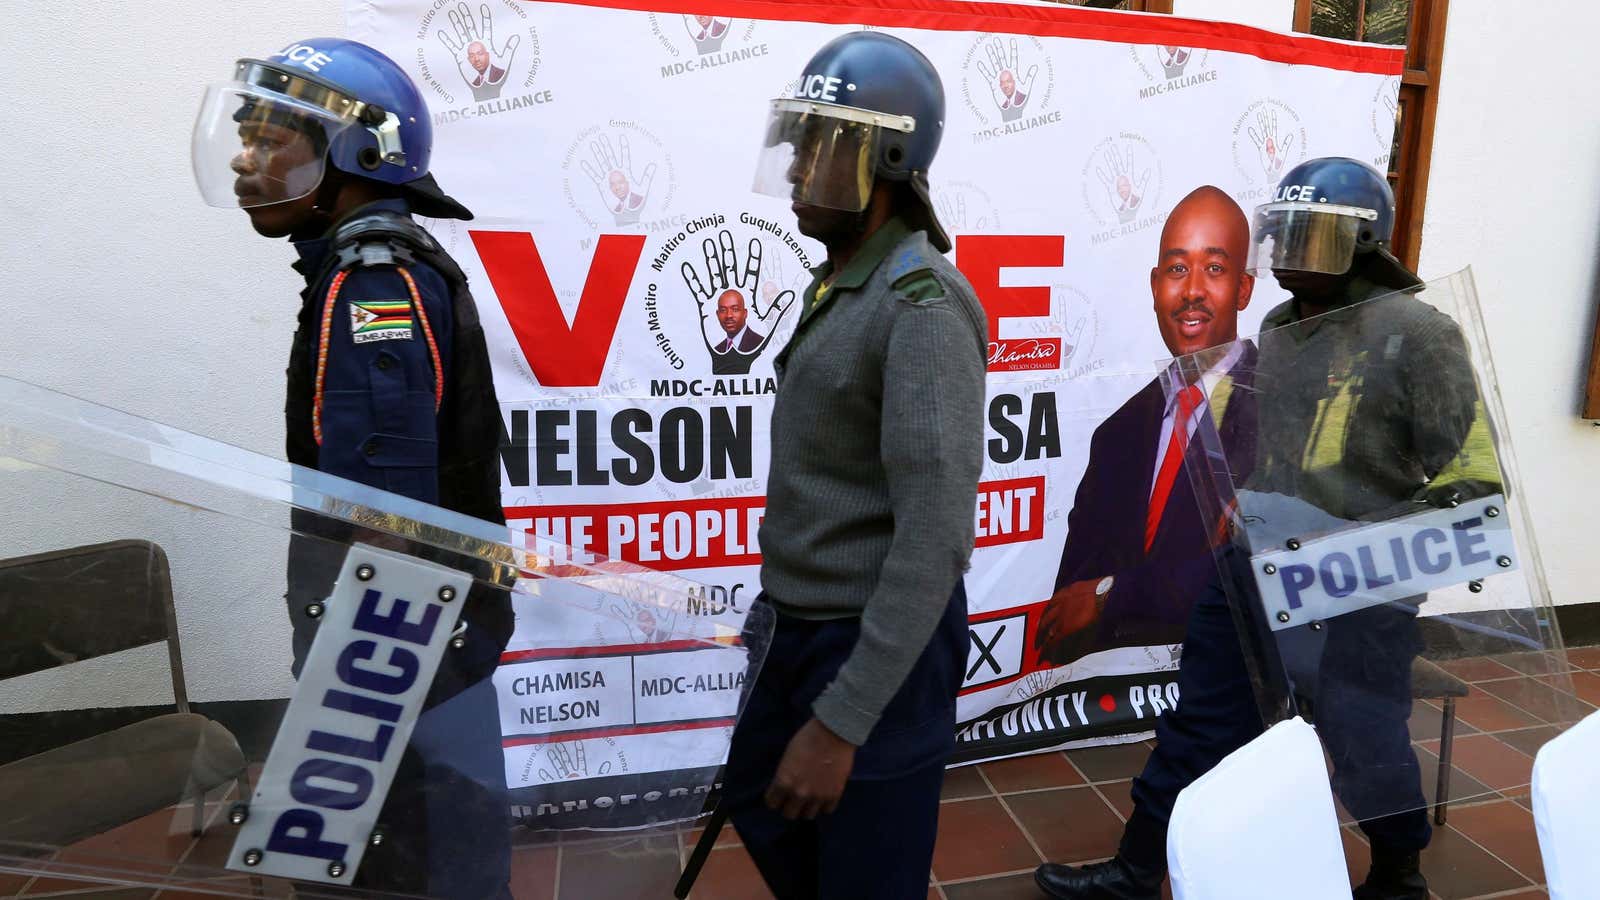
271, 133
867, 106
1331, 215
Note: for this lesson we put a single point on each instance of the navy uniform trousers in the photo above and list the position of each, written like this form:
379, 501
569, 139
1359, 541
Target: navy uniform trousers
1361, 702
879, 842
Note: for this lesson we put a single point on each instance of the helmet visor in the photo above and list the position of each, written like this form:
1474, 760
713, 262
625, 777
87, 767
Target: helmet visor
821, 154
1306, 237
254, 147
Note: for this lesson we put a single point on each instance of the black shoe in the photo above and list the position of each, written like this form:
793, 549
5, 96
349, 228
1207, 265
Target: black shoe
1114, 879
1394, 876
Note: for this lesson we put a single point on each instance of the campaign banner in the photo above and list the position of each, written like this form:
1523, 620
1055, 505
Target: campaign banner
635, 291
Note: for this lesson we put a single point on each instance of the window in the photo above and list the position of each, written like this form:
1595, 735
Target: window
1419, 25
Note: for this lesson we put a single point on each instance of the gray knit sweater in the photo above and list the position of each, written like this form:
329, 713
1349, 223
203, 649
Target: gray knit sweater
877, 442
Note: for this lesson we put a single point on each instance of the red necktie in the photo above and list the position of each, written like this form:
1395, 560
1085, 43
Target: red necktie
1188, 399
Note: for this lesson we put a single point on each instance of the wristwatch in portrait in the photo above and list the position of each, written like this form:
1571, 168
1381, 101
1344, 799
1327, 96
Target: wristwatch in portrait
1100, 592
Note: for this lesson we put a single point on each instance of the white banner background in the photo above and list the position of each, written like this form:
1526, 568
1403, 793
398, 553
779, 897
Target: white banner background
615, 141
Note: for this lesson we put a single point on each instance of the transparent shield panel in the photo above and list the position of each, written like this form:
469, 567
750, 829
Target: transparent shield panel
225, 674
1374, 545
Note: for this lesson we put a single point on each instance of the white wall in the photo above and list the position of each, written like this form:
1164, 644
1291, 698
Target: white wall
120, 286
1515, 193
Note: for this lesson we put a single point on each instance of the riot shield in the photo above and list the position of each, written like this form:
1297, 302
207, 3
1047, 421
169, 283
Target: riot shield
224, 674
1375, 547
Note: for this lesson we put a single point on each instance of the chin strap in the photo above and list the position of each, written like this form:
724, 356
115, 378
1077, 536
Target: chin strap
328, 192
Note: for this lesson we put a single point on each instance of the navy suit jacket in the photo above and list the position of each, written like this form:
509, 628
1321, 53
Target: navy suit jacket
736, 360
1151, 592
748, 342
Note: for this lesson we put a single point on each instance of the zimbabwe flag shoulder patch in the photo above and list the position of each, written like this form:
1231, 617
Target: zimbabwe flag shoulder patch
380, 320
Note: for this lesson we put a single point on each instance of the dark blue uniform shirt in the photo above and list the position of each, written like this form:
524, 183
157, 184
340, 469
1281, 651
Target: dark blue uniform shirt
379, 424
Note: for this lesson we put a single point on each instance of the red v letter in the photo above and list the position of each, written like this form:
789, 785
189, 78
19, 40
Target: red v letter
560, 355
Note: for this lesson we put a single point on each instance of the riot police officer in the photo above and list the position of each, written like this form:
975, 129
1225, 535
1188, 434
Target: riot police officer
1364, 406
834, 772
327, 143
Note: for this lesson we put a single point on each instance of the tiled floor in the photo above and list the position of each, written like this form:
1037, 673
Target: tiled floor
999, 820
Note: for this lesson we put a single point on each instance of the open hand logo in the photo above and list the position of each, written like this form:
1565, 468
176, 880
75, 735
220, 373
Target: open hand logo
954, 215
1072, 316
646, 622
1391, 101
1001, 74
1035, 683
1124, 181
621, 190
965, 208
569, 761
1272, 145
740, 305
1386, 121
952, 211
1072, 340
471, 45
707, 32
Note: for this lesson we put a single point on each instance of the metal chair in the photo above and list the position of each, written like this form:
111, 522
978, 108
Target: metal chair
67, 606
1429, 682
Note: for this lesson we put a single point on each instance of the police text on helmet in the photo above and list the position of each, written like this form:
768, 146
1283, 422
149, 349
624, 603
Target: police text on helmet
310, 57
818, 87
1301, 192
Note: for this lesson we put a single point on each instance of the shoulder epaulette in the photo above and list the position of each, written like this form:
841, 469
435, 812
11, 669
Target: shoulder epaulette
919, 286
380, 238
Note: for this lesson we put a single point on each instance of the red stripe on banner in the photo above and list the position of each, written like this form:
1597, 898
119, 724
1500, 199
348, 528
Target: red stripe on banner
1045, 21
616, 731
648, 536
515, 656
1011, 512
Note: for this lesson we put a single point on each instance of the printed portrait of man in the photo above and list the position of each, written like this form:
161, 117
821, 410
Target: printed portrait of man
1173, 59
1138, 545
1008, 86
478, 58
707, 32
734, 355
470, 42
